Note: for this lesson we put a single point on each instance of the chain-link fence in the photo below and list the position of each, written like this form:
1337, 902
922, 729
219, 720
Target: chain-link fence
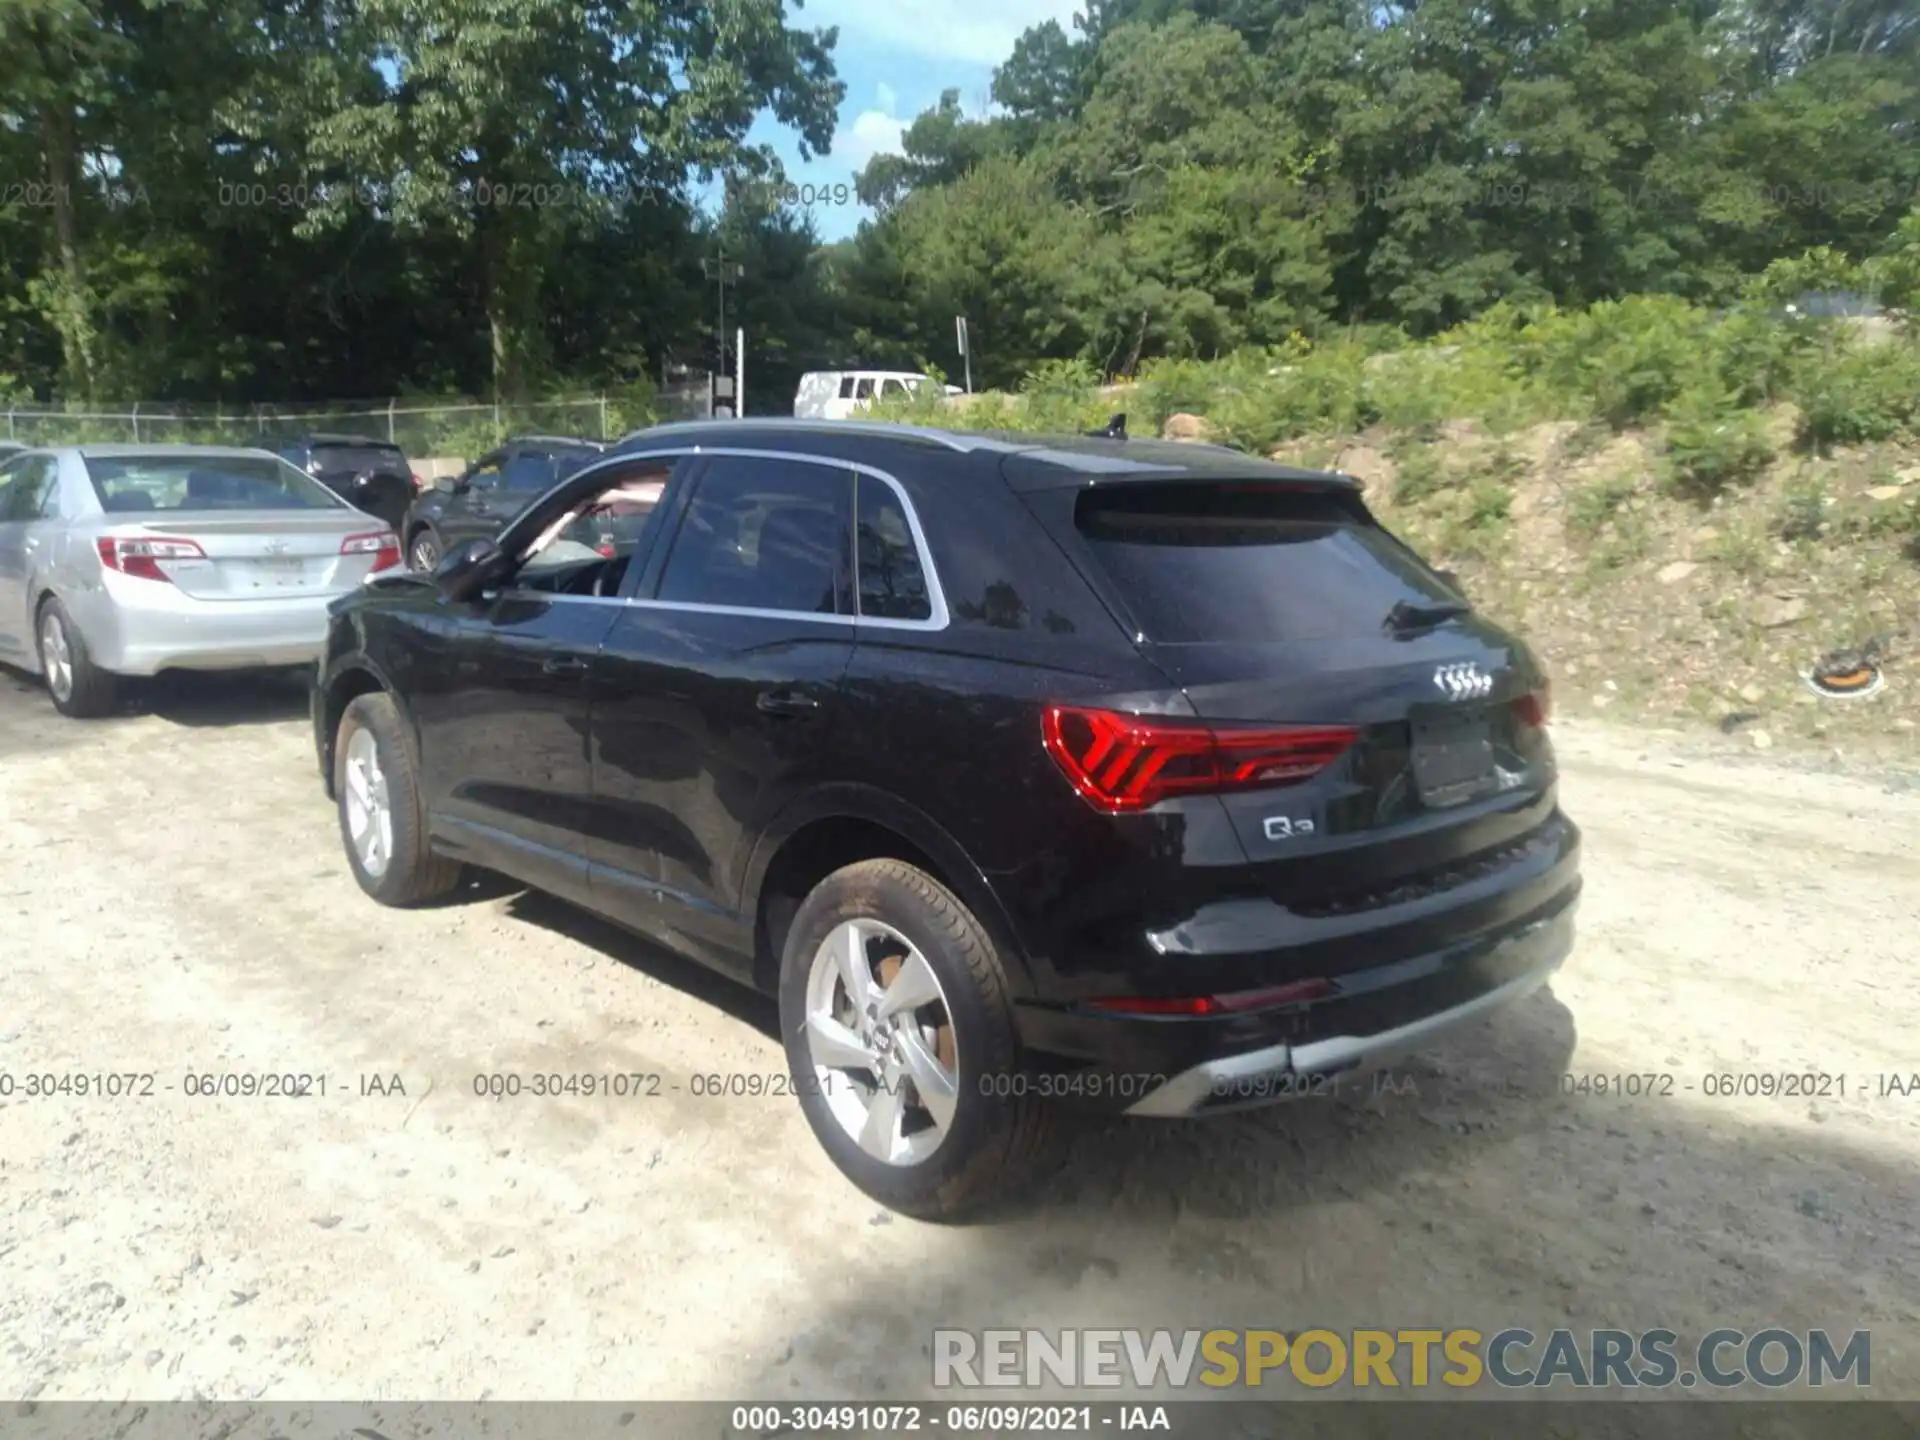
422, 428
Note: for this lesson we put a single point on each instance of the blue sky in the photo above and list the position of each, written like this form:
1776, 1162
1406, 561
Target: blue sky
896, 56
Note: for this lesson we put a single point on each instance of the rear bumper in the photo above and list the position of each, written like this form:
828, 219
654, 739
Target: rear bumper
1182, 1065
169, 631
1284, 1072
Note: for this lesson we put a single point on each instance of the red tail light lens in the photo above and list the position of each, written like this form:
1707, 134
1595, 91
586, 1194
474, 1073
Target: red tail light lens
383, 545
140, 558
1125, 763
1536, 709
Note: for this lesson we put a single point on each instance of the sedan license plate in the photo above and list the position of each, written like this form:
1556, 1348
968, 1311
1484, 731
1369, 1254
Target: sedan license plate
279, 572
1453, 759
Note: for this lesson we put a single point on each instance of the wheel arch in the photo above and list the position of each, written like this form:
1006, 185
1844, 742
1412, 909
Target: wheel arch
841, 826
346, 681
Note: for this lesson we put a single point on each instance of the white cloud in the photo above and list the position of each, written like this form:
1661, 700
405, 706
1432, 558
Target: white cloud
872, 132
978, 32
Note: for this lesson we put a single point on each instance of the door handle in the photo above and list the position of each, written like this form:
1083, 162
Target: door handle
786, 702
564, 666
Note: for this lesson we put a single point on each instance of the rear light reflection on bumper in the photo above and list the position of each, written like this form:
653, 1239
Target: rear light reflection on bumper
1239, 1002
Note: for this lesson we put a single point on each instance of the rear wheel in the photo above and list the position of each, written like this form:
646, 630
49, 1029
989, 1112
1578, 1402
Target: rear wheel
424, 551
383, 822
894, 1008
81, 690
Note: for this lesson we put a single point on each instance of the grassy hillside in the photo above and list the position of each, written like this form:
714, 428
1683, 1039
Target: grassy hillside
1681, 509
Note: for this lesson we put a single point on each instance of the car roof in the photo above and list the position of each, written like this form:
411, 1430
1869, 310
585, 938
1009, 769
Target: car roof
165, 452
1028, 461
340, 440
566, 442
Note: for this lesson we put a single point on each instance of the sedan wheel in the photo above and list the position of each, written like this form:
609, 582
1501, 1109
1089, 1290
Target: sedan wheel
426, 551
369, 809
882, 1042
56, 656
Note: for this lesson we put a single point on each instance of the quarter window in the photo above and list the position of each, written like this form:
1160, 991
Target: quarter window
763, 535
893, 579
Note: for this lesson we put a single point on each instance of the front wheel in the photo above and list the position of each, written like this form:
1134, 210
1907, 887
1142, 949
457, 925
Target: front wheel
895, 1012
383, 821
80, 689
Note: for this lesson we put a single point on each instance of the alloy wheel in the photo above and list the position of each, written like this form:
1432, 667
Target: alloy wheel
369, 812
880, 1035
56, 657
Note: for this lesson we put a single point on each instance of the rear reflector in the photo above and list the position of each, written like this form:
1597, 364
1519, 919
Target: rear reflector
383, 545
1272, 997
140, 558
1125, 763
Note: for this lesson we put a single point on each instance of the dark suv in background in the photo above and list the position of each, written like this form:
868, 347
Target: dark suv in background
370, 475
489, 494
1148, 776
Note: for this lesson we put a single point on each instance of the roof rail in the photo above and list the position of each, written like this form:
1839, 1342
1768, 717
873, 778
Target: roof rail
959, 441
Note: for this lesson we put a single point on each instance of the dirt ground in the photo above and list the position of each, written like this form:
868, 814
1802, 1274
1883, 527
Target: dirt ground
173, 901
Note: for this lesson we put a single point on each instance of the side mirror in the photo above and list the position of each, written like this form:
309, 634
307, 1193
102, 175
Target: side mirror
464, 572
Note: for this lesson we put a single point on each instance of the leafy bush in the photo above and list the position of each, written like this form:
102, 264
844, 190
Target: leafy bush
1712, 444
1419, 472
1620, 360
1858, 394
1595, 504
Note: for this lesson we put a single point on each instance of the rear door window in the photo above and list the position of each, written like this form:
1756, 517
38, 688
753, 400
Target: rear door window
763, 535
846, 387
1205, 561
30, 491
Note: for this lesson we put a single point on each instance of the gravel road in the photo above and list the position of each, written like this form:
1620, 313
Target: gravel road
174, 903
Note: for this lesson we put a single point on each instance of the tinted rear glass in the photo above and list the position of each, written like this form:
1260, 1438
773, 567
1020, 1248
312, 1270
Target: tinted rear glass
1199, 561
331, 458
204, 482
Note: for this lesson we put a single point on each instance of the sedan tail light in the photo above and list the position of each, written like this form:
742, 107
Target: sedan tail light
383, 545
1126, 763
141, 557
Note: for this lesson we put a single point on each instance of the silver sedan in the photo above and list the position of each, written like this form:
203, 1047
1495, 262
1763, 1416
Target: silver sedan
132, 559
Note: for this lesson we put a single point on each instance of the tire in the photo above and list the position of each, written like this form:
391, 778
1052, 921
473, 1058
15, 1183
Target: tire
400, 869
992, 1146
425, 539
80, 689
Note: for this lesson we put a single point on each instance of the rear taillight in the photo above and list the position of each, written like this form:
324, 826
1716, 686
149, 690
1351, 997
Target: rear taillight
383, 545
1124, 763
419, 483
140, 558
1535, 709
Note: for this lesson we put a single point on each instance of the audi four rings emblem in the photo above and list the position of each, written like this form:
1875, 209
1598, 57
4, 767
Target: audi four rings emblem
1463, 682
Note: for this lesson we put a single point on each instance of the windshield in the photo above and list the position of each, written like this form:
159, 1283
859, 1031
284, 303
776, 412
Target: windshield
140, 483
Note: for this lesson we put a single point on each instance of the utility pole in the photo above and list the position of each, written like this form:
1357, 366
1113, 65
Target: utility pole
722, 271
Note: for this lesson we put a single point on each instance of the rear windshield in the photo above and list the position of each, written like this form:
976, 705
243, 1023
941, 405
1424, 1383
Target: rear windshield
356, 458
204, 482
1248, 562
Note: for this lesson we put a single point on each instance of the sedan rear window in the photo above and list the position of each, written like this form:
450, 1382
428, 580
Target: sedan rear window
339, 459
138, 484
1249, 562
